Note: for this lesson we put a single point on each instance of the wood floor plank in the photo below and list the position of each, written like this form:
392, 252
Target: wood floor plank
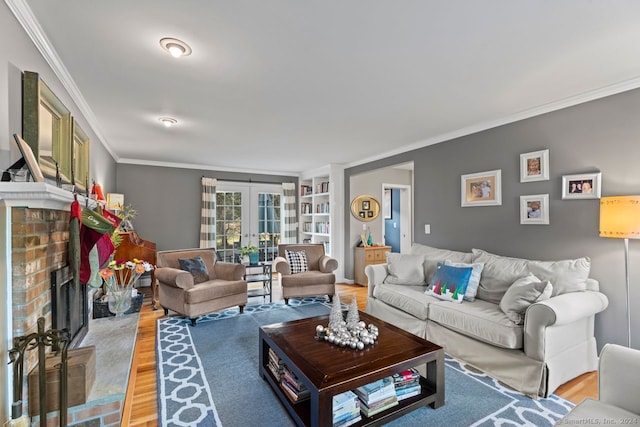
141, 405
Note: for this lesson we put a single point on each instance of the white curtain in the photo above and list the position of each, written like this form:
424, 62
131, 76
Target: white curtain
289, 213
208, 213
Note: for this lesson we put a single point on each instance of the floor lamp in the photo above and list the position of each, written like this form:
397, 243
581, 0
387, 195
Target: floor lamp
620, 219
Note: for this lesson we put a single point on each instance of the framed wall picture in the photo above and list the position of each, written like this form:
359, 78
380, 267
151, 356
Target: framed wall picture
582, 186
46, 127
534, 209
387, 203
481, 189
29, 158
534, 166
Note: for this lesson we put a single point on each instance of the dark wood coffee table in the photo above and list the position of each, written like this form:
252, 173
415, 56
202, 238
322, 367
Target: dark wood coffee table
327, 369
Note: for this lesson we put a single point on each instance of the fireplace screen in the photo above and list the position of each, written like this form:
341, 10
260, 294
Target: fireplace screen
69, 307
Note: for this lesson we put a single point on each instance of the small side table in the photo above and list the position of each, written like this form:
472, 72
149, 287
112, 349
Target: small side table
264, 276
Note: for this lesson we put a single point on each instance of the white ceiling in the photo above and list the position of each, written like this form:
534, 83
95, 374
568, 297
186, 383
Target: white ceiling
284, 86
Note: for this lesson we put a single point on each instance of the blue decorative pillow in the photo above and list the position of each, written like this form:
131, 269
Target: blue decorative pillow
450, 283
474, 280
196, 267
297, 261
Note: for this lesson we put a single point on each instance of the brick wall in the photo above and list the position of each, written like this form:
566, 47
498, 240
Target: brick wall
39, 245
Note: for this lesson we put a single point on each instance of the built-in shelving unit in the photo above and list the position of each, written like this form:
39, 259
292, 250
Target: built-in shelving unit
321, 210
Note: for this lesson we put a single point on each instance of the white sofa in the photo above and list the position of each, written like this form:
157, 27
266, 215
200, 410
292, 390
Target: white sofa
554, 343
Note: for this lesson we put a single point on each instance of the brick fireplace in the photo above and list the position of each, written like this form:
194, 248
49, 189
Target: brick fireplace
34, 224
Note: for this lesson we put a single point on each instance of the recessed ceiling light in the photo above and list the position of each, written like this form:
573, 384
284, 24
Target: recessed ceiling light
175, 47
168, 121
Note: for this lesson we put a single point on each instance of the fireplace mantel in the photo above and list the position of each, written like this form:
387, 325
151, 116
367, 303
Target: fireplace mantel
38, 195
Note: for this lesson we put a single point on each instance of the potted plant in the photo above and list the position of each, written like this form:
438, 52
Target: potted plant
249, 254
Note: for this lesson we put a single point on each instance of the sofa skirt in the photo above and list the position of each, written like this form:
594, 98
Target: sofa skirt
511, 367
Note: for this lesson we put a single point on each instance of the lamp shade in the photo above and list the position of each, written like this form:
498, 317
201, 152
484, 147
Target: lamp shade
620, 217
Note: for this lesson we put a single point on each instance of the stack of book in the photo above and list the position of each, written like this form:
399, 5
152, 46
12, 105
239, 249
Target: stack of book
292, 386
275, 364
407, 383
377, 396
346, 409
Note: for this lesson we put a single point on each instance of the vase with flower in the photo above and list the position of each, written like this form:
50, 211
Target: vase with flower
119, 278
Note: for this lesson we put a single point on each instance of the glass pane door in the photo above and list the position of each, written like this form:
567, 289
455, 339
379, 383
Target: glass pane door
268, 225
228, 225
248, 214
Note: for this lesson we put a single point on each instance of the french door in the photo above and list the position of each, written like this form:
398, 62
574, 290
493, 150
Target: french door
248, 214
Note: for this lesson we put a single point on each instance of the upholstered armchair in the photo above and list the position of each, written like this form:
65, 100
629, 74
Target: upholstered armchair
305, 271
618, 399
209, 285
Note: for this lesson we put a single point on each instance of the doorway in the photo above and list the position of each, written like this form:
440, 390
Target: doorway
248, 214
396, 208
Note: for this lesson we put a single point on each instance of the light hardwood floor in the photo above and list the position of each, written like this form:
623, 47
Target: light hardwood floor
141, 402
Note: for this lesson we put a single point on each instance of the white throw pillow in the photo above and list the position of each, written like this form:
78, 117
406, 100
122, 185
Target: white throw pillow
404, 269
568, 275
521, 294
498, 274
474, 280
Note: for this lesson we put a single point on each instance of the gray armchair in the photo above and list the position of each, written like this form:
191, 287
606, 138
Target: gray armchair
222, 287
618, 399
317, 280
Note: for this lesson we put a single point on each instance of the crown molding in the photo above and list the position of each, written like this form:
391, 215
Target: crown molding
571, 101
205, 167
25, 17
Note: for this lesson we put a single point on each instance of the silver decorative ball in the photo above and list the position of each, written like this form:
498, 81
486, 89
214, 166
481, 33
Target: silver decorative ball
319, 328
360, 345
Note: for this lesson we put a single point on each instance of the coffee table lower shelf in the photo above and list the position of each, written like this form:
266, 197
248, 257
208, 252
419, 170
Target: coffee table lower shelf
301, 411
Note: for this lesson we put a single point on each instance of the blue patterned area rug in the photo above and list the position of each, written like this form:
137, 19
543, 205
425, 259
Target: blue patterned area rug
208, 376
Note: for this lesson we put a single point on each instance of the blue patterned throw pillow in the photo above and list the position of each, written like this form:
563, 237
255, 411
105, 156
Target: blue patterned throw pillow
196, 267
297, 261
450, 283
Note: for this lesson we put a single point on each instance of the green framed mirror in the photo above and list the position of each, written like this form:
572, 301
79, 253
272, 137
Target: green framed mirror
46, 127
80, 157
365, 208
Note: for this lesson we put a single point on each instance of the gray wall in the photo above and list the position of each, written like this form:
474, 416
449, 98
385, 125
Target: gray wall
168, 200
17, 55
601, 135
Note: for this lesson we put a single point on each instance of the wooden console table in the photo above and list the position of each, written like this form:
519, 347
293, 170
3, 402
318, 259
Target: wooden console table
366, 256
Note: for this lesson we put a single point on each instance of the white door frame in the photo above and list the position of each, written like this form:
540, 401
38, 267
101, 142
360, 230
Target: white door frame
406, 219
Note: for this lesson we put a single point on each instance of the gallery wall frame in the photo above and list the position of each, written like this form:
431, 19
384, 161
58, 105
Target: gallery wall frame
582, 186
534, 209
387, 203
481, 189
46, 127
534, 166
